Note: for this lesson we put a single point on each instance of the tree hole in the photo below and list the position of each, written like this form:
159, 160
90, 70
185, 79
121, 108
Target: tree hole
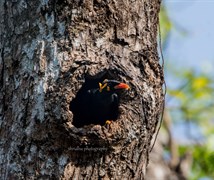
90, 106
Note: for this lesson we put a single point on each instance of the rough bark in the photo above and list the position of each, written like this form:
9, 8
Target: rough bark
49, 49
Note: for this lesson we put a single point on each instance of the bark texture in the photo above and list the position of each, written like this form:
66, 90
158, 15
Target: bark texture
49, 49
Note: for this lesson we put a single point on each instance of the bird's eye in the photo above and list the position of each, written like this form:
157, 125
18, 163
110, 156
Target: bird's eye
105, 81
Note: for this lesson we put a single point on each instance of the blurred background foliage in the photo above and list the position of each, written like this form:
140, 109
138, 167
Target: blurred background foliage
190, 105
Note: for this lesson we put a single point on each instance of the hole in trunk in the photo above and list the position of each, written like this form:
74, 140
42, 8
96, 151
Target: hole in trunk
90, 106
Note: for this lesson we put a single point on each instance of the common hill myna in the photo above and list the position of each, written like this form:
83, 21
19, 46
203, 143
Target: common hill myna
97, 105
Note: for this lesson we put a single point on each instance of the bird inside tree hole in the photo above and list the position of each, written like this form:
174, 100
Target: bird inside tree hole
97, 102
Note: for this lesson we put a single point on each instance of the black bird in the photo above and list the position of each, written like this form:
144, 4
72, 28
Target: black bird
97, 105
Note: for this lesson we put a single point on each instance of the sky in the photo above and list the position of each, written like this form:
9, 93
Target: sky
195, 47
190, 45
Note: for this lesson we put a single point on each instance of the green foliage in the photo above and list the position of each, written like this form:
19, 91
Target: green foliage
203, 159
193, 101
195, 95
204, 166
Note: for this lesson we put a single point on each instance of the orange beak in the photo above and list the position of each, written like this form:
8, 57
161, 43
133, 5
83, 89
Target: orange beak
122, 86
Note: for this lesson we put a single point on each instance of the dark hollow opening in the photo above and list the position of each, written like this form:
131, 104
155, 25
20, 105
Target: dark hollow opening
93, 107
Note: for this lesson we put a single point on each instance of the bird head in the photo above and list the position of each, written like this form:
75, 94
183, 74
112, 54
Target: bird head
109, 85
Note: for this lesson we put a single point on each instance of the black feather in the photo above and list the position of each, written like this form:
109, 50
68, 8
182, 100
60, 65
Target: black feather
94, 107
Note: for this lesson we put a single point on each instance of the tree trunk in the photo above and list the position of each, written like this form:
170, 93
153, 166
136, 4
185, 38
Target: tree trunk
49, 50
